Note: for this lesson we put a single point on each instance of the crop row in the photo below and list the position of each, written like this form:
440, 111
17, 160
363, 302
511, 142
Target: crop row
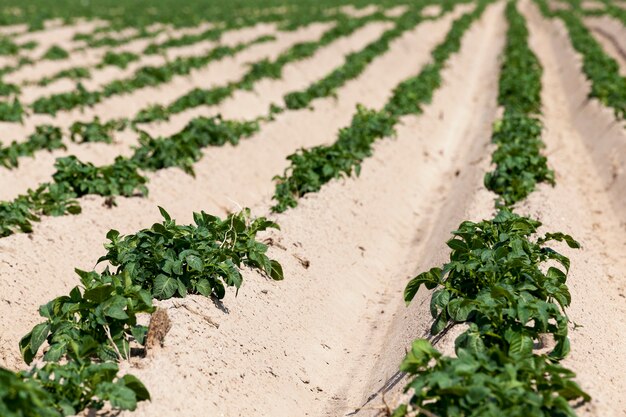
498, 283
263, 69
155, 75
143, 14
143, 77
310, 169
150, 75
607, 85
101, 131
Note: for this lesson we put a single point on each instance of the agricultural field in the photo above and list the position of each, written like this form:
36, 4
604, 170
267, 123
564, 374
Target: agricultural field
313, 208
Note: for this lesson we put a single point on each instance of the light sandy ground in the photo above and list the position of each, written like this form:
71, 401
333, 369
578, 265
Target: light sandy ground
587, 202
350, 10
611, 34
396, 11
296, 76
217, 73
89, 57
331, 335
100, 77
431, 11
241, 181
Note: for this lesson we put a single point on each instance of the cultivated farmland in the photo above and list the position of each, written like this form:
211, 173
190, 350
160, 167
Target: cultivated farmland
313, 208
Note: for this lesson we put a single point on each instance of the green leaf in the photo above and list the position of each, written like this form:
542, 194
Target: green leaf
520, 346
99, 294
204, 287
25, 350
114, 307
38, 336
165, 214
276, 271
195, 263
164, 287
132, 382
430, 279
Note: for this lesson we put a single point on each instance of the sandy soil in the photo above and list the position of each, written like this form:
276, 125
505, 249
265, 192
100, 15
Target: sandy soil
220, 72
107, 74
611, 34
350, 10
217, 73
243, 182
327, 341
596, 200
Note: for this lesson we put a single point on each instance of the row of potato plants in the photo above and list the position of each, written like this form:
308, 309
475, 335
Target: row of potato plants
259, 70
98, 131
74, 178
49, 137
168, 12
607, 84
310, 169
86, 332
150, 76
145, 76
499, 284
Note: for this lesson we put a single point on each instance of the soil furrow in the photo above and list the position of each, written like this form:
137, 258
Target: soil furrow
224, 176
463, 139
611, 34
596, 277
604, 135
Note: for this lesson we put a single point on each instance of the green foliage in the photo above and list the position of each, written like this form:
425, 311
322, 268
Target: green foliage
80, 97
96, 131
74, 178
79, 385
24, 397
185, 147
496, 279
121, 59
486, 384
11, 112
75, 73
314, 167
519, 89
171, 260
311, 168
519, 163
7, 46
55, 53
212, 34
56, 390
143, 77
607, 84
119, 178
354, 63
45, 137
518, 159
